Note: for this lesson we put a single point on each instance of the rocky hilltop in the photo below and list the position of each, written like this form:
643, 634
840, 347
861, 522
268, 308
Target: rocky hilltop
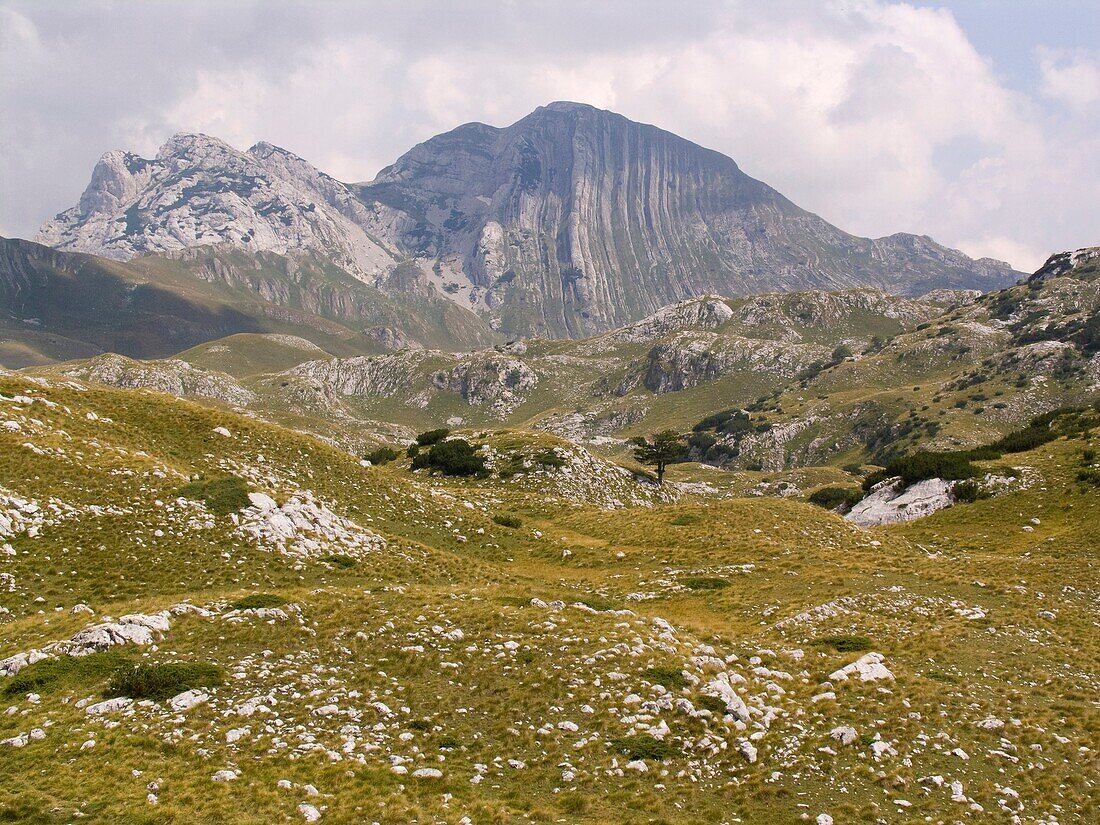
571, 221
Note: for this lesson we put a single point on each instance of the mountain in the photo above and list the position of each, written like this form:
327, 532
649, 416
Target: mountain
569, 222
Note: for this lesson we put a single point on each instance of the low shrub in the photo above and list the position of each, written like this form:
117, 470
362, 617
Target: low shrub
644, 746
430, 437
684, 520
832, 497
1089, 476
381, 455
923, 465
712, 703
845, 643
339, 560
670, 677
456, 457
222, 496
507, 520
162, 681
704, 583
258, 600
970, 491
549, 458
598, 603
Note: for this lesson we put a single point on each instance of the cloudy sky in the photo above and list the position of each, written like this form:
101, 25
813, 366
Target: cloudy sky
974, 121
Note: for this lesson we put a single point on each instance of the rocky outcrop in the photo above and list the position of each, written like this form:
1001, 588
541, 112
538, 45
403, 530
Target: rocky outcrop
690, 359
171, 376
488, 379
891, 502
1084, 260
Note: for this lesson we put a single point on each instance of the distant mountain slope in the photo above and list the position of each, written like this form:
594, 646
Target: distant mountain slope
570, 222
59, 305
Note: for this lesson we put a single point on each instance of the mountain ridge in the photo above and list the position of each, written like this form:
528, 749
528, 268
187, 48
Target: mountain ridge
569, 222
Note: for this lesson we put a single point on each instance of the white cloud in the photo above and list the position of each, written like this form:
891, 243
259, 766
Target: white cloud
1071, 79
879, 116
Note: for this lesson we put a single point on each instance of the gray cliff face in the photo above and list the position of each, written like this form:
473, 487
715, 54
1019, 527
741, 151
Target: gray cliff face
198, 191
575, 220
571, 221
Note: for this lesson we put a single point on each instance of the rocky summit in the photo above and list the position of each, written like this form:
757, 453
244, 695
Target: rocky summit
569, 222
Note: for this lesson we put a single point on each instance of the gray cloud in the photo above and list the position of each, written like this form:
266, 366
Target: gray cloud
882, 117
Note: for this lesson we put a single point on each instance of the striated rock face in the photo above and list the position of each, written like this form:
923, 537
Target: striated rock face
575, 220
569, 222
199, 191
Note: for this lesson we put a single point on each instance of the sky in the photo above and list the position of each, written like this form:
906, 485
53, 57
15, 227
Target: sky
973, 121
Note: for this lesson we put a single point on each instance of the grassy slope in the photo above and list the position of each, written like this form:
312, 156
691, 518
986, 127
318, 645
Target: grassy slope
368, 628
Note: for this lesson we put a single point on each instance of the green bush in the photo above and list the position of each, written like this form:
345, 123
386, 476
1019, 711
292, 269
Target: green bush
549, 458
832, 497
923, 465
340, 560
712, 703
381, 455
644, 746
430, 437
507, 520
671, 677
727, 422
456, 457
684, 520
162, 681
704, 583
1089, 476
222, 496
258, 600
970, 491
845, 643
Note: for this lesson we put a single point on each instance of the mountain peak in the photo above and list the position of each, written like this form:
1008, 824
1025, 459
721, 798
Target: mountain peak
571, 221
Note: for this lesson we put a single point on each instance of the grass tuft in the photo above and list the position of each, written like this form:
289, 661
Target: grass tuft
221, 496
163, 681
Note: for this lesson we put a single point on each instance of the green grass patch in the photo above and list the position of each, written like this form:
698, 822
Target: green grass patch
705, 583
339, 560
222, 496
684, 520
644, 746
163, 681
712, 703
670, 677
63, 672
507, 520
845, 643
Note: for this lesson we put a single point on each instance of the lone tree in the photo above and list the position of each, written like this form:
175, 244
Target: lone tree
666, 448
